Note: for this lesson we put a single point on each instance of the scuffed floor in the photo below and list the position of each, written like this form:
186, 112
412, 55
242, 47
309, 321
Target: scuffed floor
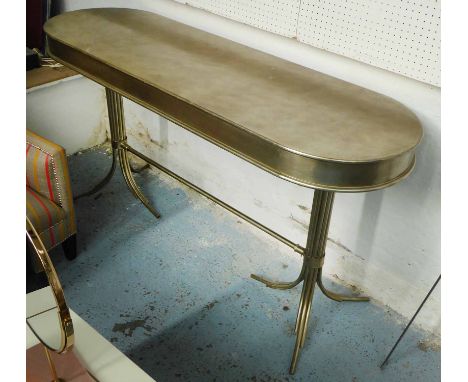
175, 294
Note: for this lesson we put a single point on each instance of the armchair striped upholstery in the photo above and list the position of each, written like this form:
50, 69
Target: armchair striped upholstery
49, 199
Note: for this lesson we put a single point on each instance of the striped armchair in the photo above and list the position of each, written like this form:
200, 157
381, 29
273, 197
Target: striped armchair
49, 200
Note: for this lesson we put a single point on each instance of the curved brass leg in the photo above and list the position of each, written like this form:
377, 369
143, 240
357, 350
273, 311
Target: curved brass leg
119, 138
336, 296
127, 174
280, 285
103, 182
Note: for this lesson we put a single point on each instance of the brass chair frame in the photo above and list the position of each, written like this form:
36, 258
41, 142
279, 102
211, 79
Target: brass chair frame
66, 323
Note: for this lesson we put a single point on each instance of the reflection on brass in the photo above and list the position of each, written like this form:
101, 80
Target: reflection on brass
296, 123
66, 324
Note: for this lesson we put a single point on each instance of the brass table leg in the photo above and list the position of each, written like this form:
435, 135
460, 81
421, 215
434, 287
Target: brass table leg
335, 296
311, 272
119, 138
279, 284
119, 149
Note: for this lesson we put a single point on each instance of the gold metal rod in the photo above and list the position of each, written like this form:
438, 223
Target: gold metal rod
325, 224
51, 365
302, 305
111, 113
309, 307
338, 297
314, 216
307, 292
323, 215
301, 300
132, 184
296, 247
306, 307
311, 239
313, 258
313, 224
278, 284
66, 324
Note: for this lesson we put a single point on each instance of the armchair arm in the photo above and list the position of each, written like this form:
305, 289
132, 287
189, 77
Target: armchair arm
47, 173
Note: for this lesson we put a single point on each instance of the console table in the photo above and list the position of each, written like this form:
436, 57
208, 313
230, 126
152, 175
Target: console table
296, 123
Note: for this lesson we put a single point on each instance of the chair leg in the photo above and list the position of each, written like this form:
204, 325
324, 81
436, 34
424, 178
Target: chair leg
69, 247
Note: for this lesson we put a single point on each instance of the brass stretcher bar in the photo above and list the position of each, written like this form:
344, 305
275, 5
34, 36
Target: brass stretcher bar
296, 123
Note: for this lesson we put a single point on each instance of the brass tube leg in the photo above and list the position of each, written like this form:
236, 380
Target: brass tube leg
278, 284
127, 173
119, 138
311, 272
55, 378
335, 296
313, 261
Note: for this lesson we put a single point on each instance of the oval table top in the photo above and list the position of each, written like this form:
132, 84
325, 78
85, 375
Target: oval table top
297, 123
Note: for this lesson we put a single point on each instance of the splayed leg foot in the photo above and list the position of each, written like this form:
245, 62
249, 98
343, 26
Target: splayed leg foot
130, 180
336, 296
278, 284
303, 315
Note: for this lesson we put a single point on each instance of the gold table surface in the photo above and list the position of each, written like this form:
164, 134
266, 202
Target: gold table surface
297, 123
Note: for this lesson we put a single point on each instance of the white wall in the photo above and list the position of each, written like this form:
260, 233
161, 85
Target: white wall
402, 36
386, 242
70, 112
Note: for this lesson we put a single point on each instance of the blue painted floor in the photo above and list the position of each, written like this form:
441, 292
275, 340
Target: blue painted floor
175, 294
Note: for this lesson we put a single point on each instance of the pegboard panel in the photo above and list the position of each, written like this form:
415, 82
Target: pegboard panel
398, 35
277, 16
402, 36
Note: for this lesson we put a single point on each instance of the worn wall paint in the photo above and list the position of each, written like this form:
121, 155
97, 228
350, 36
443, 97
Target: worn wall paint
387, 242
